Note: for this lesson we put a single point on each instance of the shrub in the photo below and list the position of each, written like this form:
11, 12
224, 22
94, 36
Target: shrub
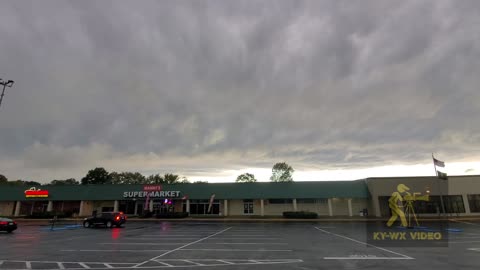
300, 214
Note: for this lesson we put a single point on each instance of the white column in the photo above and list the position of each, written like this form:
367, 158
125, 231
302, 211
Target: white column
262, 208
294, 204
115, 206
17, 208
465, 203
330, 208
50, 206
150, 207
225, 208
82, 206
350, 212
188, 206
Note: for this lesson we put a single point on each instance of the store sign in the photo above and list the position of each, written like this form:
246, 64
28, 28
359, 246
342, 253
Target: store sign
36, 193
152, 188
152, 191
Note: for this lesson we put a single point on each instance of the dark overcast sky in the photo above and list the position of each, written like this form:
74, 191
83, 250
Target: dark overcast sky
204, 87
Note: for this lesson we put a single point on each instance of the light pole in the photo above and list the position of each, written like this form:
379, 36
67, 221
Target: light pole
8, 83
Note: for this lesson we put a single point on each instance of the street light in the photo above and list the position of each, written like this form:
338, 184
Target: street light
8, 83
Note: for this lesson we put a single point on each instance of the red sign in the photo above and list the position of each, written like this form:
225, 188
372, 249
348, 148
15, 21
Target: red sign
36, 193
152, 188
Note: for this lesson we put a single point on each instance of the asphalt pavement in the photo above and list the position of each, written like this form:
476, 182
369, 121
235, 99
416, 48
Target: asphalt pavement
230, 245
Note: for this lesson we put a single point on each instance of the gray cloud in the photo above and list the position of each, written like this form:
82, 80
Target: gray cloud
202, 86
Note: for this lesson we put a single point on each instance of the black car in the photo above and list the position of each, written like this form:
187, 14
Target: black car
107, 219
7, 225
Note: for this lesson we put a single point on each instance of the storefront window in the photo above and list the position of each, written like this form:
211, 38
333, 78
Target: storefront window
474, 202
200, 207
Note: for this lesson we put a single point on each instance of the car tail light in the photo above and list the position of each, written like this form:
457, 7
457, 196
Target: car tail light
117, 218
3, 223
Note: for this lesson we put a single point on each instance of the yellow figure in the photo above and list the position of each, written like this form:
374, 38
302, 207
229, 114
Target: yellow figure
396, 205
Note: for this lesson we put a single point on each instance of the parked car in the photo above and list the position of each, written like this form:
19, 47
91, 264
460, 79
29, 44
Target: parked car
107, 219
7, 225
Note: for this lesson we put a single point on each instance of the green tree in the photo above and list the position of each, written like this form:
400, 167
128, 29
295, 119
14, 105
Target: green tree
128, 178
97, 176
246, 178
200, 182
282, 172
155, 179
70, 181
170, 178
3, 179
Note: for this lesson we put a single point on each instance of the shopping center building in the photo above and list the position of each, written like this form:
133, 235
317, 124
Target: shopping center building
459, 195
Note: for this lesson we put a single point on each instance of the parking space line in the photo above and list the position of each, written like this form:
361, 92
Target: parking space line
189, 244
1, 262
227, 243
164, 263
108, 265
244, 238
28, 265
146, 244
84, 265
114, 250
60, 265
363, 243
237, 250
463, 242
366, 258
225, 262
195, 263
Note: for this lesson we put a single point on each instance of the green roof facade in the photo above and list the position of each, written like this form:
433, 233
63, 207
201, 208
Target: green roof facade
259, 190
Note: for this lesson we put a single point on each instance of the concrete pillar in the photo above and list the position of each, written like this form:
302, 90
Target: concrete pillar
50, 206
150, 207
262, 208
225, 208
81, 211
17, 208
350, 212
330, 208
465, 203
136, 209
32, 208
294, 204
188, 207
115, 206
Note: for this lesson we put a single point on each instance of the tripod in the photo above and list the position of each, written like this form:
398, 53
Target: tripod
410, 211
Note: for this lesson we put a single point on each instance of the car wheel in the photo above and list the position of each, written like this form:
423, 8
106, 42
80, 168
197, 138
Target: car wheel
86, 224
109, 224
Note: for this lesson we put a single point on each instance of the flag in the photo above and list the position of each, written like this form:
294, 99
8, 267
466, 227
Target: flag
442, 175
438, 163
147, 201
211, 203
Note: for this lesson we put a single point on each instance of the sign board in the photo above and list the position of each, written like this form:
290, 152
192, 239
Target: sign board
34, 192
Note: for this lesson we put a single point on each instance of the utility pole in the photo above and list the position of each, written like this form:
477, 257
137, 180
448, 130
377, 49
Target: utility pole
5, 84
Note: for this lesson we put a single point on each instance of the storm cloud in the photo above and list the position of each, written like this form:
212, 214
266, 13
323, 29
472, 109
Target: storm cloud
201, 87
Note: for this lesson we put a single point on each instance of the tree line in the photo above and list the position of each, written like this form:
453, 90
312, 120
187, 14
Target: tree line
281, 172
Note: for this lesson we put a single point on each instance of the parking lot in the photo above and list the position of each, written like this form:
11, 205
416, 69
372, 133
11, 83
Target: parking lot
228, 245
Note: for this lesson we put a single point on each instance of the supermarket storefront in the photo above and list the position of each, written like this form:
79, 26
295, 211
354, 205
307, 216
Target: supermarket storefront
461, 195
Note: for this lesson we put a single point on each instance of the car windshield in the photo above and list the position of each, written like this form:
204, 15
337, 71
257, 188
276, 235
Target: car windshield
239, 134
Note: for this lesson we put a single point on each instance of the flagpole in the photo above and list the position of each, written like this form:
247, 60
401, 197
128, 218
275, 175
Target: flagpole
439, 187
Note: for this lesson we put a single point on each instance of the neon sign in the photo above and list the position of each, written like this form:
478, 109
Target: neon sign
34, 192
